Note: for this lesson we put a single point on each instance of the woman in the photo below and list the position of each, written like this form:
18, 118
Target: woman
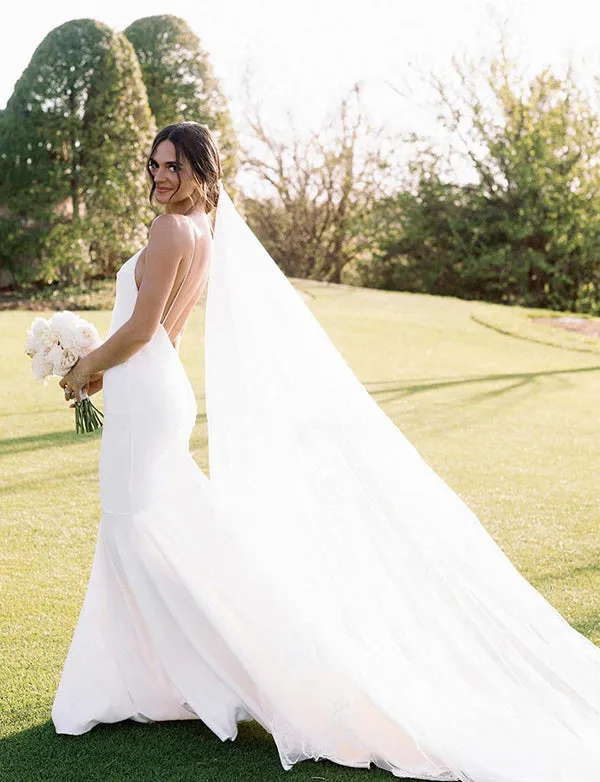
325, 582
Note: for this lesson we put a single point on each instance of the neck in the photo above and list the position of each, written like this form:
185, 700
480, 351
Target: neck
176, 209
186, 207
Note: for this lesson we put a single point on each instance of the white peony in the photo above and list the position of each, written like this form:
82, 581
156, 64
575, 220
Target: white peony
55, 345
33, 345
53, 355
49, 339
41, 368
39, 325
64, 321
34, 335
64, 362
86, 337
67, 339
46, 346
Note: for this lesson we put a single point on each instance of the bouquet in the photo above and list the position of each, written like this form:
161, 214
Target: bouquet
54, 346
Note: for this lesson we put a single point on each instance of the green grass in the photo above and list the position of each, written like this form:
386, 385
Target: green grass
509, 423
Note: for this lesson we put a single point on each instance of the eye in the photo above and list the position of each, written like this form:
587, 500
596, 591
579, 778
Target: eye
173, 166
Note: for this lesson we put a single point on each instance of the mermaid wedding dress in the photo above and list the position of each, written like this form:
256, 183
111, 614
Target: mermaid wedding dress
324, 582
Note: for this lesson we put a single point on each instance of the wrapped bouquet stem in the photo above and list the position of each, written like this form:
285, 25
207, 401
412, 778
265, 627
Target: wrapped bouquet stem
87, 415
55, 346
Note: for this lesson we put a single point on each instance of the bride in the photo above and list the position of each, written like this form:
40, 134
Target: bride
324, 582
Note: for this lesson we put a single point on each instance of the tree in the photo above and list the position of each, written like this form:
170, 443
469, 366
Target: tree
73, 142
322, 187
180, 81
525, 231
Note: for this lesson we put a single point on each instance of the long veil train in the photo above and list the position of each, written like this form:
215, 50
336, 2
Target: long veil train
386, 619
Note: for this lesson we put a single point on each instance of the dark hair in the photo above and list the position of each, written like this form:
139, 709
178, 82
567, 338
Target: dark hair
198, 144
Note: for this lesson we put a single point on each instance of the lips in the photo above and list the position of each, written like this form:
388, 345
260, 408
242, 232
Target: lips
163, 189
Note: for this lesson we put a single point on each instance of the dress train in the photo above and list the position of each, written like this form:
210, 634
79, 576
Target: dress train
362, 644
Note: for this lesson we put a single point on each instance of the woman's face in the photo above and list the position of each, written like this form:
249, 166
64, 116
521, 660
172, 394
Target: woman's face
163, 169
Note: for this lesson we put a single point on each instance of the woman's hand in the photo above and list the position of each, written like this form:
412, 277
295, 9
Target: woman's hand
94, 384
76, 380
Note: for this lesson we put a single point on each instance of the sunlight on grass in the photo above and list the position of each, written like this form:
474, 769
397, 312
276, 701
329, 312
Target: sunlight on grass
508, 422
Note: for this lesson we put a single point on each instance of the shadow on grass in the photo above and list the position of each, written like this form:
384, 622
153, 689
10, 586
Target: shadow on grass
26, 413
397, 391
28, 485
35, 442
383, 391
182, 751
574, 348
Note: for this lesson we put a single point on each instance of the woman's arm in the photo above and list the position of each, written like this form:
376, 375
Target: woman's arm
170, 240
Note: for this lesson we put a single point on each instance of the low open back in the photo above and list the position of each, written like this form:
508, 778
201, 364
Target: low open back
194, 290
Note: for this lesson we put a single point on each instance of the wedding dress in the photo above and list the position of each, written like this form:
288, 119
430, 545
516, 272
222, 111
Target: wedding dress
324, 582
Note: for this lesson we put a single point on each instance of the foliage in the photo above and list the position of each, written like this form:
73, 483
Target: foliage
180, 80
60, 248
526, 230
74, 137
20, 248
323, 186
65, 254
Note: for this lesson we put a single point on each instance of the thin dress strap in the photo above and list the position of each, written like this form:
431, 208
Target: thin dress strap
185, 276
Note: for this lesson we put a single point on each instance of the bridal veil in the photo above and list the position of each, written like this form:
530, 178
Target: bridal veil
384, 617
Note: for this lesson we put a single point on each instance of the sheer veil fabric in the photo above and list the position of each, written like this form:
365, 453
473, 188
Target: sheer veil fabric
380, 621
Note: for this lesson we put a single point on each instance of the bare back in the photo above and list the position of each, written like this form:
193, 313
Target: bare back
190, 279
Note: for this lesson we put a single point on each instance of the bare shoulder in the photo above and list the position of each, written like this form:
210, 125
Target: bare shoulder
173, 230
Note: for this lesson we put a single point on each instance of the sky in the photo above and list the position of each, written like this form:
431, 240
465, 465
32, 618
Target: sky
302, 57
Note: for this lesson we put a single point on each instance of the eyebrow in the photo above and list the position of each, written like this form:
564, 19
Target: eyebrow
168, 162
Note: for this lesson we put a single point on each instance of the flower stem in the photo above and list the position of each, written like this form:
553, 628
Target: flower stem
88, 417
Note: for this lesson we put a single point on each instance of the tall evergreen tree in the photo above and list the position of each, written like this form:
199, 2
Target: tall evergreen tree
73, 141
180, 81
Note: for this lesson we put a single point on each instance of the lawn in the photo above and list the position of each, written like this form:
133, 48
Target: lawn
504, 409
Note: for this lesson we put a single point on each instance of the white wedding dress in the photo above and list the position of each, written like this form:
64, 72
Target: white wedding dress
349, 602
